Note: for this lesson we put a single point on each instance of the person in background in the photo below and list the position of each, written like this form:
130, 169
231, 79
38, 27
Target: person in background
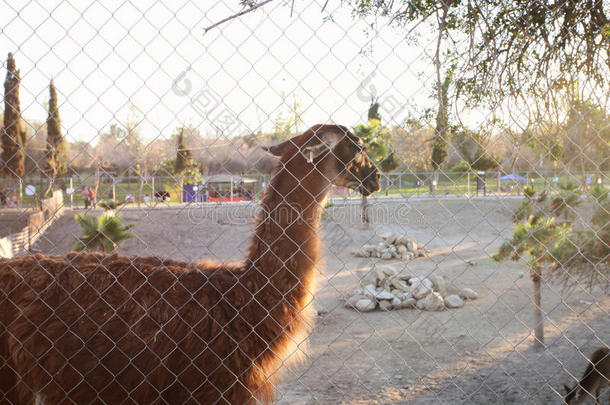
12, 202
85, 193
92, 196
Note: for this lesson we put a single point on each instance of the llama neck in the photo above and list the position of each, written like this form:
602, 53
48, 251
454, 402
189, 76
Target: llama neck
284, 247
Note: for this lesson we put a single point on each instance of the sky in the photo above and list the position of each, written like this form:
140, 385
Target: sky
150, 61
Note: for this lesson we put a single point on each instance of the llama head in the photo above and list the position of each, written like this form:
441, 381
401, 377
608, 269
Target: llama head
335, 152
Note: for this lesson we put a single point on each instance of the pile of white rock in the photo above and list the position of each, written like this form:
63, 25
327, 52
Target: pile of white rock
385, 289
392, 246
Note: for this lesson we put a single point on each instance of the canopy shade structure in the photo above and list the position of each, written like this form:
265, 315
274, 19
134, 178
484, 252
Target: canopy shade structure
512, 177
228, 178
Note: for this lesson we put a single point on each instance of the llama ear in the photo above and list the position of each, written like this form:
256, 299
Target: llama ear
312, 152
276, 150
327, 143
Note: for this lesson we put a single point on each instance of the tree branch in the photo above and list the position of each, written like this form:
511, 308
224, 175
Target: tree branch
224, 20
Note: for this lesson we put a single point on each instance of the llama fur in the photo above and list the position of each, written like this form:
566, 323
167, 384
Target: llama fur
92, 327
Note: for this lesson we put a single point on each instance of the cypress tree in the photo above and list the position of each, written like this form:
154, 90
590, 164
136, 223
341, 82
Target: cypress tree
56, 148
183, 154
13, 134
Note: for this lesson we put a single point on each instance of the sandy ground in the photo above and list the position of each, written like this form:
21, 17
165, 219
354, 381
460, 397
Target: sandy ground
12, 220
479, 354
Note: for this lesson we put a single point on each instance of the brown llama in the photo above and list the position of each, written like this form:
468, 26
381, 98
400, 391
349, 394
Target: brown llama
593, 381
96, 328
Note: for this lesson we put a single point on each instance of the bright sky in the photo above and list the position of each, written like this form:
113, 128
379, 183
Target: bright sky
105, 56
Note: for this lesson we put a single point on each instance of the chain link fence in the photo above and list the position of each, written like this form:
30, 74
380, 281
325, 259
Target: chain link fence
458, 192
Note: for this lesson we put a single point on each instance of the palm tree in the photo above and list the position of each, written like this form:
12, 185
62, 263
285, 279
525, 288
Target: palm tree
102, 234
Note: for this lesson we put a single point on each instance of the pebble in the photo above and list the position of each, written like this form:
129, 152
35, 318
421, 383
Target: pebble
353, 300
366, 305
389, 238
385, 305
453, 301
439, 284
431, 302
409, 303
421, 288
384, 295
468, 294
400, 284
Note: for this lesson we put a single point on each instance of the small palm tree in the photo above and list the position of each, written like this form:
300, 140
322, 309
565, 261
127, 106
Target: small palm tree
109, 205
103, 234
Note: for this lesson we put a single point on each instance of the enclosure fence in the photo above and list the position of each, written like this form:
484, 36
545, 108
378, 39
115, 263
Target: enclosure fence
170, 167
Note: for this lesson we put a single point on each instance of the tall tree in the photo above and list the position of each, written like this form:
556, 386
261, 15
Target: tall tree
184, 164
447, 16
56, 148
521, 51
183, 154
520, 48
14, 135
439, 141
377, 141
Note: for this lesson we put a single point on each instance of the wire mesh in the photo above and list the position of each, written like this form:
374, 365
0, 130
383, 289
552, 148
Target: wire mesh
176, 147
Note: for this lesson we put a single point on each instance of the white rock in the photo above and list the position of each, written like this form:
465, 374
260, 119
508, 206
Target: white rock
409, 303
405, 296
386, 255
362, 253
396, 302
420, 288
353, 300
384, 295
369, 290
468, 294
380, 275
385, 305
403, 240
368, 279
400, 284
420, 291
369, 248
412, 246
389, 237
431, 302
414, 280
381, 246
392, 249
453, 301
389, 270
396, 293
366, 305
401, 249
439, 284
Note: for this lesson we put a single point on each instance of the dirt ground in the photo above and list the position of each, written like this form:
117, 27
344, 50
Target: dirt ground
12, 221
480, 354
